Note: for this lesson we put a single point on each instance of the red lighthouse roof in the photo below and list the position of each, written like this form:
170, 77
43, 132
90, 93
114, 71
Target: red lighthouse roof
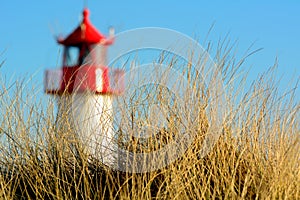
84, 33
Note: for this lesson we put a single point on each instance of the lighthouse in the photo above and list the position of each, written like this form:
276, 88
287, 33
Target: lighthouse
84, 88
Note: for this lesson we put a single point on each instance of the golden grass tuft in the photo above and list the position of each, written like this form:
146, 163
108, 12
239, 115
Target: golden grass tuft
256, 157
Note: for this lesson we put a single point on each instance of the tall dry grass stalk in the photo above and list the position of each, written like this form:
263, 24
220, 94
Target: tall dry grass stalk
256, 157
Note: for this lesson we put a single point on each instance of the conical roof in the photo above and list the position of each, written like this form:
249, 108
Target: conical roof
84, 33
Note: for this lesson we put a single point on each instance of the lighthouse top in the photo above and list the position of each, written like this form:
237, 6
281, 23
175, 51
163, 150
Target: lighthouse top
84, 64
85, 33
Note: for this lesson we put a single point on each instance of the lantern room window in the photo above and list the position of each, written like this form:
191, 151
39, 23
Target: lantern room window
71, 56
96, 56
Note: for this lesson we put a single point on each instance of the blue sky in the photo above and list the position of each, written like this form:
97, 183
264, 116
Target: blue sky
28, 28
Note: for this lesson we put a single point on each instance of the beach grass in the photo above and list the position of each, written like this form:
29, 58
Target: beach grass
257, 155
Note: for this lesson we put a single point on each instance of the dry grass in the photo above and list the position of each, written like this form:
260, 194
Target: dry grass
256, 157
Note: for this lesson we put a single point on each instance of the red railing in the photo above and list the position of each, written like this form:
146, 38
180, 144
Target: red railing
98, 79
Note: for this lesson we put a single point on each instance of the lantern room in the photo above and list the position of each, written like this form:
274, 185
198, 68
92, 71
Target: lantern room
84, 63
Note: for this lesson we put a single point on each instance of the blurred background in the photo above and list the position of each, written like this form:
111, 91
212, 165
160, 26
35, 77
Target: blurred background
28, 30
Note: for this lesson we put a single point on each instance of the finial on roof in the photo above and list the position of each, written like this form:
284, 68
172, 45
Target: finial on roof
86, 13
